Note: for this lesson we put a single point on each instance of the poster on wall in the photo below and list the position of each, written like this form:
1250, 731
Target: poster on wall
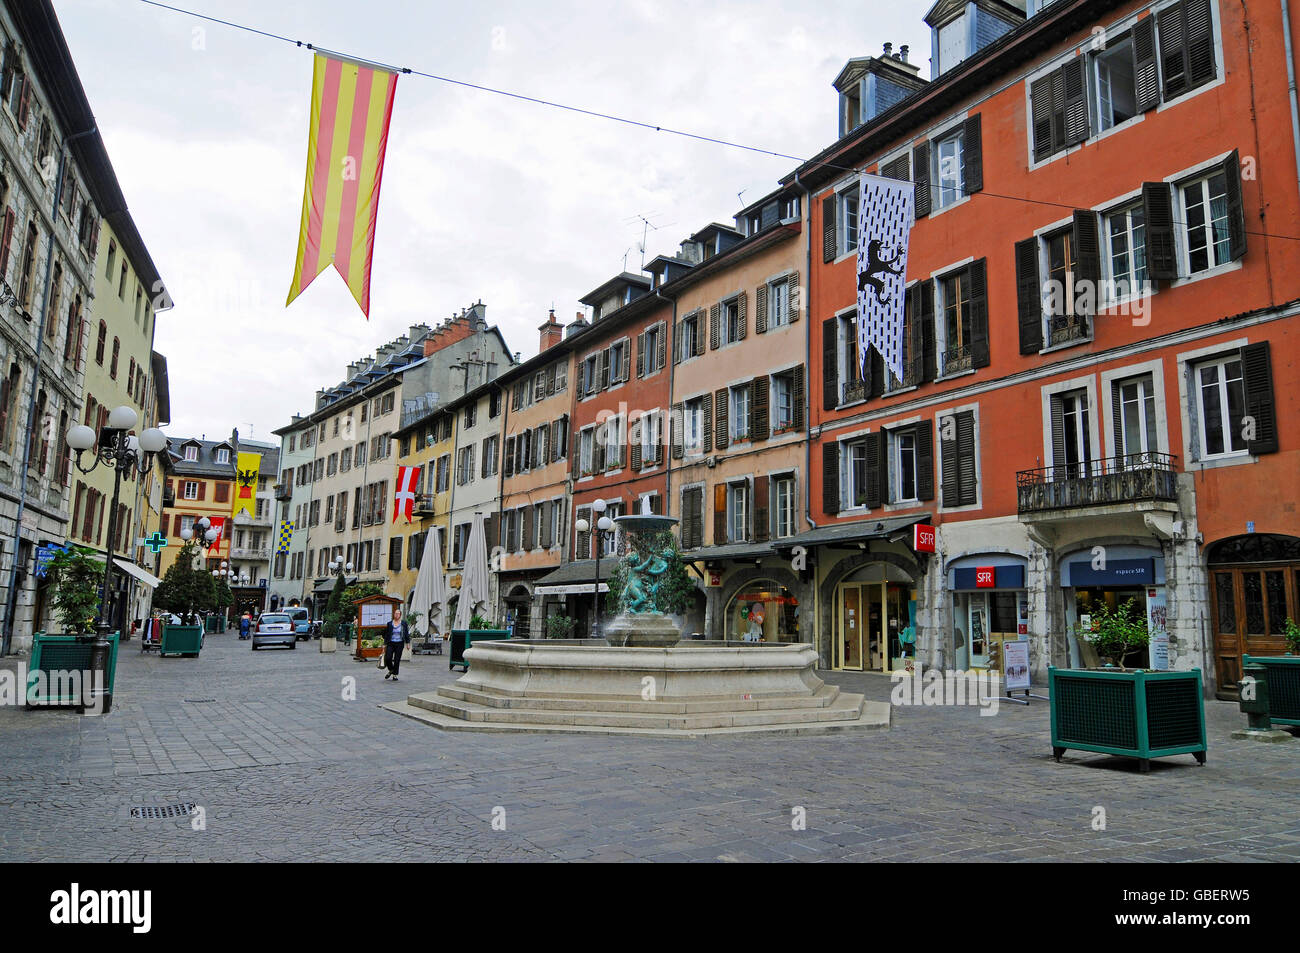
1016, 670
1157, 620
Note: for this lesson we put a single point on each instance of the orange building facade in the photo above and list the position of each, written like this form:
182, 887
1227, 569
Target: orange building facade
1102, 300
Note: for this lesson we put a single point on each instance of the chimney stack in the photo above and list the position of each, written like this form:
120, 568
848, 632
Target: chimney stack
889, 49
552, 332
902, 53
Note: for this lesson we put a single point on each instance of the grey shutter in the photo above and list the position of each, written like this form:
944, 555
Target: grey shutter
830, 477
483, 464
948, 465
640, 354
828, 229
921, 176
684, 529
1029, 301
742, 314
1074, 89
721, 429
972, 175
679, 342
1231, 168
699, 332
1116, 417
979, 314
527, 517
928, 351
1086, 242
1257, 383
1058, 437
830, 364
1158, 217
676, 436
544, 538
876, 443
636, 451
924, 461
697, 516
758, 409
966, 456
663, 345
1040, 112
762, 510
1199, 28
1173, 50
706, 412
1146, 77
897, 169
582, 541
797, 397
627, 362
508, 468
760, 310
714, 310
793, 295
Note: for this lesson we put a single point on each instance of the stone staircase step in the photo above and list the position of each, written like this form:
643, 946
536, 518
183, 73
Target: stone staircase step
825, 697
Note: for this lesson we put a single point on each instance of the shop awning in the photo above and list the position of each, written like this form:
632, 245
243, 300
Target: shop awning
131, 569
849, 534
568, 589
730, 551
580, 571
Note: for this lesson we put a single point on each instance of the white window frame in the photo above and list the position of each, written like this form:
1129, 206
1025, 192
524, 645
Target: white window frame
782, 509
947, 197
778, 303
738, 424
740, 506
191, 485
1181, 213
896, 453
191, 454
1221, 361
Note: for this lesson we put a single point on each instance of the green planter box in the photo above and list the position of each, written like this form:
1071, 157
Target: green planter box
215, 624
1282, 673
462, 639
1141, 715
181, 640
63, 653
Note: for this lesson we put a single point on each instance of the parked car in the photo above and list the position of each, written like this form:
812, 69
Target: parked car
301, 619
274, 628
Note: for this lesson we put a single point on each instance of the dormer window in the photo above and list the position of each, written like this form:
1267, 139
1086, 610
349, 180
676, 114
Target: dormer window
952, 44
850, 109
191, 453
223, 455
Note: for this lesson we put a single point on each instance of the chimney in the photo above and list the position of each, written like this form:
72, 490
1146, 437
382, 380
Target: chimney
902, 53
552, 332
579, 324
889, 49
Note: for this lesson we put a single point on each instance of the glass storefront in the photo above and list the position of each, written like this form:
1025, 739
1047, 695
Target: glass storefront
990, 606
763, 611
1093, 581
875, 619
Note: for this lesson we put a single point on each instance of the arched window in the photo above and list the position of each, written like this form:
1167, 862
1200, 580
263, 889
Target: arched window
112, 258
763, 610
100, 343
117, 347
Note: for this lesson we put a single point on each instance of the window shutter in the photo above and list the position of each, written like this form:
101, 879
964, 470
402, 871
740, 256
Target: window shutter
972, 173
1236, 210
797, 397
6, 239
948, 455
1074, 85
1087, 249
659, 443
714, 311
81, 340
830, 364
742, 313
719, 514
165, 519
1158, 215
528, 528
685, 529
1146, 80
699, 332
544, 538
1058, 433
627, 362
582, 541
876, 443
1040, 112
675, 431
921, 176
1257, 382
793, 293
597, 451
1173, 49
762, 510
203, 488
828, 228
759, 396
875, 373
760, 310
706, 412
483, 464
897, 169
979, 313
564, 435
927, 348
830, 477
602, 369
924, 461
679, 342
24, 102
722, 431
1199, 28
1029, 301
1116, 418
636, 453
640, 355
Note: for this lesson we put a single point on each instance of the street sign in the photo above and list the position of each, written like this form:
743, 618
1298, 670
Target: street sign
923, 538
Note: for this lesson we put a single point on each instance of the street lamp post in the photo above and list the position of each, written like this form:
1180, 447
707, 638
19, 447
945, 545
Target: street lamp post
339, 569
603, 524
125, 453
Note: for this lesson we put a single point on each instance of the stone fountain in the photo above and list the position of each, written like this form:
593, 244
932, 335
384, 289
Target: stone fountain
639, 679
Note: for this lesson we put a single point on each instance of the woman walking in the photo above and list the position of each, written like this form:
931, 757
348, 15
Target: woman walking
395, 639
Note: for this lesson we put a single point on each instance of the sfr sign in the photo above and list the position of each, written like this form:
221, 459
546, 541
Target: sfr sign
923, 538
984, 577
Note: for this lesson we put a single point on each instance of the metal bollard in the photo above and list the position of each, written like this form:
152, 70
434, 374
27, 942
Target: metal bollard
1254, 697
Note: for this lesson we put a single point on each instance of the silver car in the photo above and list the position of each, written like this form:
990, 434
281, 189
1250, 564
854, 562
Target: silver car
274, 628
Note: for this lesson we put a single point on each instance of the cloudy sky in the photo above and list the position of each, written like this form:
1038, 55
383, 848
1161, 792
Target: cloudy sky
522, 206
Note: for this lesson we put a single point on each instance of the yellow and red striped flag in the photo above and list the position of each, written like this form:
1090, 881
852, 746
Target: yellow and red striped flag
351, 105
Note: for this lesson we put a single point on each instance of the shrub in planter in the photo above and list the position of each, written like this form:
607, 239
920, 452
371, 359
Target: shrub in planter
560, 627
1292, 636
76, 577
1117, 633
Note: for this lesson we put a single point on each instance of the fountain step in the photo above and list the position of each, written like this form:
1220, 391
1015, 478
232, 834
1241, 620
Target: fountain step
860, 715
824, 697
846, 708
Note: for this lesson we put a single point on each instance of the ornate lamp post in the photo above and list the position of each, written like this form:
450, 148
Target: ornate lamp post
603, 524
207, 535
125, 453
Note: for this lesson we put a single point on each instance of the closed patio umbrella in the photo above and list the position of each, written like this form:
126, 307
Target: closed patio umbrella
430, 588
474, 580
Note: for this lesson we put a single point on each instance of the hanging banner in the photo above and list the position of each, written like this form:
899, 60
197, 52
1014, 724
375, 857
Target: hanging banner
245, 500
408, 479
351, 105
286, 536
886, 213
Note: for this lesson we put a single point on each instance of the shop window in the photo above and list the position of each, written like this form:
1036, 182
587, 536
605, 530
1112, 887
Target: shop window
763, 611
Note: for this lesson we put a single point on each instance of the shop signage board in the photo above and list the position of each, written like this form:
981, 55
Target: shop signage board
984, 577
923, 538
713, 579
1157, 619
572, 589
989, 577
1016, 664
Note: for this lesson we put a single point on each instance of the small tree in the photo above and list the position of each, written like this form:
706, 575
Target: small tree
76, 576
184, 588
1118, 633
222, 594
339, 608
560, 627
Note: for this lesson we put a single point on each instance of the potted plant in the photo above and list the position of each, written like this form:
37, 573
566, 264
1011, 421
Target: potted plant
560, 627
183, 589
1117, 633
1291, 633
75, 576
1282, 674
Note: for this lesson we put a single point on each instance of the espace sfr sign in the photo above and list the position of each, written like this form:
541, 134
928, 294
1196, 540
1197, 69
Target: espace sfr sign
923, 538
984, 577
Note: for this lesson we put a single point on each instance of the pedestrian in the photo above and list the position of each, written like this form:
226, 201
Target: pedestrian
244, 623
395, 639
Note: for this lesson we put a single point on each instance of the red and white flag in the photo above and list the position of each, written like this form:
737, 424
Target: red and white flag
408, 478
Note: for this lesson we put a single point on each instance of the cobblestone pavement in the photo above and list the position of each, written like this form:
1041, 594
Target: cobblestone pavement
285, 769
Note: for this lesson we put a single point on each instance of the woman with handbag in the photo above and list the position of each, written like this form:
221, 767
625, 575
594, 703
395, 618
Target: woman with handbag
395, 638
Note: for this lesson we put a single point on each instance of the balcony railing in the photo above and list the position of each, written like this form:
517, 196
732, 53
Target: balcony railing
424, 505
1134, 478
854, 390
249, 552
1063, 328
957, 359
283, 492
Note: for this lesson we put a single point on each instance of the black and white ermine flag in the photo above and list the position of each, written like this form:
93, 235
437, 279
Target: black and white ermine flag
885, 216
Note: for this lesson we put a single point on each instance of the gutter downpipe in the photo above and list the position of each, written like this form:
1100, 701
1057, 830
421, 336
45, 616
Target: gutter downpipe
1291, 87
807, 350
11, 607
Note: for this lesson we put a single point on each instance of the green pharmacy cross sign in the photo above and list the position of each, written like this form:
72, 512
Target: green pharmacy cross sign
156, 542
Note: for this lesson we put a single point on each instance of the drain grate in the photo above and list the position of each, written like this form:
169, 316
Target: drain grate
158, 812
199, 701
